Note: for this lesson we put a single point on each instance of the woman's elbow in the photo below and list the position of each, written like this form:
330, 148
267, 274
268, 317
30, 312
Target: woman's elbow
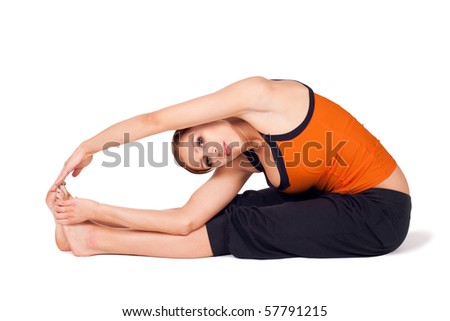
184, 228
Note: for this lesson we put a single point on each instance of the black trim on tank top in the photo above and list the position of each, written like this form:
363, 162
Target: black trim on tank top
278, 158
254, 159
271, 140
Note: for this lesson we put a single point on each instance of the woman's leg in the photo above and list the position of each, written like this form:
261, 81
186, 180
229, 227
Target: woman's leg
221, 227
267, 225
90, 239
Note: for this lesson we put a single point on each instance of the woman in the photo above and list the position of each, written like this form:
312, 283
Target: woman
334, 190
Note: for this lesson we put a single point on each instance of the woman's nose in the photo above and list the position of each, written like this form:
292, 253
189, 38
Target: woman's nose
213, 151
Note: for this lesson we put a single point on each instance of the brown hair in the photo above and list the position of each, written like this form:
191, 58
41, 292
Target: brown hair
176, 152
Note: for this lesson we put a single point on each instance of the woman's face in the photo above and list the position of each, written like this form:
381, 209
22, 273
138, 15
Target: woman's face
210, 145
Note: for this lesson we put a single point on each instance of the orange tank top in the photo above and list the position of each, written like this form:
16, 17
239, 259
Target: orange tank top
330, 151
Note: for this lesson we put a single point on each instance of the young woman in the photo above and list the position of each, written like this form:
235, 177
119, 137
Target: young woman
334, 190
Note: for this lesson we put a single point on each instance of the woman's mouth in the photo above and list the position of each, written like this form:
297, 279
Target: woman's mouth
226, 150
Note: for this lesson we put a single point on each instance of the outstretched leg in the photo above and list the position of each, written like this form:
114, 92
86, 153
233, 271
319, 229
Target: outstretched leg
90, 239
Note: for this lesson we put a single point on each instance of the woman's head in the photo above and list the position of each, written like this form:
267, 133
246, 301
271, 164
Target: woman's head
203, 148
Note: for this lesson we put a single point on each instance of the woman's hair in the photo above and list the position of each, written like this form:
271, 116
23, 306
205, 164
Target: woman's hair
176, 152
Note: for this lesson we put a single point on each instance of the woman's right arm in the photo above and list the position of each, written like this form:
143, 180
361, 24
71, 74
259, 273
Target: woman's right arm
236, 100
206, 202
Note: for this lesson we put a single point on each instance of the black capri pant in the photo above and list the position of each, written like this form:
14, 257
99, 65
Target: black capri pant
269, 224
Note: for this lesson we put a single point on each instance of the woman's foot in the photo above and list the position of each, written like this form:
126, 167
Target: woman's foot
60, 237
75, 238
81, 238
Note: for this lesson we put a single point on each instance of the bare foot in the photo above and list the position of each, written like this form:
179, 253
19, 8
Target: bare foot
76, 237
60, 237
81, 238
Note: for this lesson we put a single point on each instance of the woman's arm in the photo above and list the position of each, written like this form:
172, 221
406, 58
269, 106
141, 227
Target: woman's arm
233, 100
206, 202
236, 100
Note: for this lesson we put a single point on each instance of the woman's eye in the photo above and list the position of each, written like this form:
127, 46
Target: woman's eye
200, 142
208, 162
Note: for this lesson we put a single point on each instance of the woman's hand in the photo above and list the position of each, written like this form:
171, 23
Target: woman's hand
75, 164
75, 210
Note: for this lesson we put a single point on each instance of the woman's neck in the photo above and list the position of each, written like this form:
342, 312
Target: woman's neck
248, 134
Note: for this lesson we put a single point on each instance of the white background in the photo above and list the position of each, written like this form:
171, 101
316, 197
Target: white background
68, 69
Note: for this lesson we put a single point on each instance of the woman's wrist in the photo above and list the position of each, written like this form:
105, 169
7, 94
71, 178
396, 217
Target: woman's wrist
98, 213
85, 149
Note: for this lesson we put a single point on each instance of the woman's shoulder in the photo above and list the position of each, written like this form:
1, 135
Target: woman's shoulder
284, 104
